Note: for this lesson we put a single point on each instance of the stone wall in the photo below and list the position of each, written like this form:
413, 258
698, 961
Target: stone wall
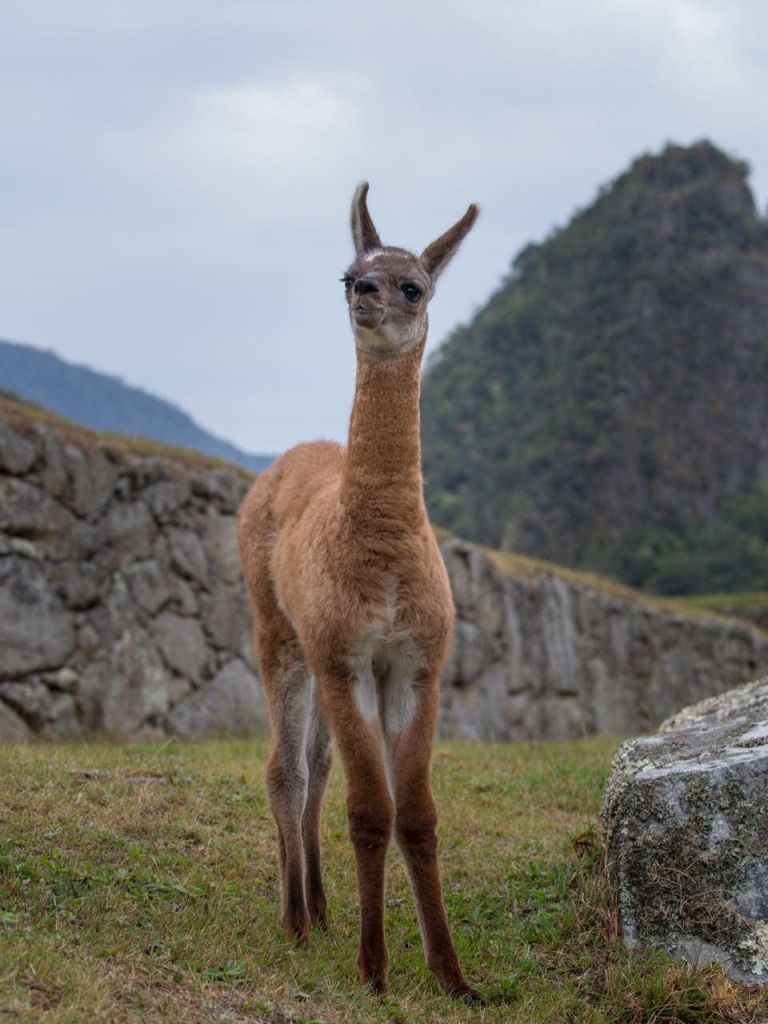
122, 610
121, 603
546, 657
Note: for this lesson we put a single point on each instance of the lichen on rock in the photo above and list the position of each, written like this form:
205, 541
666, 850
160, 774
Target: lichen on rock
687, 831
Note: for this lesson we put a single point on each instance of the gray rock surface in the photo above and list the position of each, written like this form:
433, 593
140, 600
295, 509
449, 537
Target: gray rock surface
687, 829
36, 629
120, 575
232, 705
547, 657
118, 593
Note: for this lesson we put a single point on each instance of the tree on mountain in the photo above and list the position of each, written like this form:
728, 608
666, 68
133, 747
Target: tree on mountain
608, 407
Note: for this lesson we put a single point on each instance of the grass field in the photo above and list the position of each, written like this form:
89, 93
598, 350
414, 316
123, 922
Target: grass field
138, 883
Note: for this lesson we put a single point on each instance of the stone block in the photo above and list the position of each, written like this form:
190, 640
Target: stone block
66, 680
36, 631
27, 511
28, 699
457, 557
560, 718
221, 486
78, 583
497, 714
125, 685
477, 585
12, 726
221, 546
226, 620
95, 476
150, 586
54, 471
130, 529
62, 716
182, 644
46, 712
685, 812
16, 453
166, 498
188, 555
613, 713
472, 653
185, 600
143, 473
563, 656
232, 704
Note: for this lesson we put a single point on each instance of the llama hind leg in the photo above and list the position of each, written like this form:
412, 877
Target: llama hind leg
319, 766
287, 687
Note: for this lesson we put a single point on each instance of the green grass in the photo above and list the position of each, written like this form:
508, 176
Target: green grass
139, 883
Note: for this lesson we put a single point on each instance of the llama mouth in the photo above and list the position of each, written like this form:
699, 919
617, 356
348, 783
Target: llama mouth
368, 315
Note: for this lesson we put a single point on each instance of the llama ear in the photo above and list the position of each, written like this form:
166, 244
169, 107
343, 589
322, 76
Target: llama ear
364, 234
439, 254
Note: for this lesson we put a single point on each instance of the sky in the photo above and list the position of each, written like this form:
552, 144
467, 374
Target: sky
175, 175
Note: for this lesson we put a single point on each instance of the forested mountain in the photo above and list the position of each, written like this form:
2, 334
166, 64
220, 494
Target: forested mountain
608, 407
106, 403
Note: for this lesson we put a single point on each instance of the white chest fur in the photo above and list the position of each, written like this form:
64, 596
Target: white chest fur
384, 669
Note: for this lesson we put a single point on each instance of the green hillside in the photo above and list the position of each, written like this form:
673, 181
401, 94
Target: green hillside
608, 408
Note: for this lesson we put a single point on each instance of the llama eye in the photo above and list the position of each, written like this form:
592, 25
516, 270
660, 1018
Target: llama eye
347, 281
412, 292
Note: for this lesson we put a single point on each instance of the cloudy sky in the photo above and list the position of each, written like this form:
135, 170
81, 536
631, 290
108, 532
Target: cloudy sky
175, 175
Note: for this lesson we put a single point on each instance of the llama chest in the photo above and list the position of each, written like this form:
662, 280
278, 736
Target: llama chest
390, 658
384, 669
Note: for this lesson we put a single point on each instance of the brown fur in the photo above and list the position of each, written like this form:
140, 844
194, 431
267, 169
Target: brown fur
353, 616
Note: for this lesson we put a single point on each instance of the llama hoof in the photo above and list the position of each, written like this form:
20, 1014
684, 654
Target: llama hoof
319, 917
471, 997
377, 986
298, 932
461, 990
374, 973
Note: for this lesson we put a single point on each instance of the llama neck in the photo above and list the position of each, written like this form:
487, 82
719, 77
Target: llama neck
382, 478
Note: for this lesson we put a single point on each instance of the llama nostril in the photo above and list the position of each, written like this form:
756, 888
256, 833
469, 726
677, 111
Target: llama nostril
366, 285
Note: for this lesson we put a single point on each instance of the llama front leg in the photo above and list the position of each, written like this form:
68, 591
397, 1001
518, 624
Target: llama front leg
369, 809
370, 814
416, 835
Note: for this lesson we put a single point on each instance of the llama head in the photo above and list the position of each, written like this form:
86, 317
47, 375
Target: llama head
388, 289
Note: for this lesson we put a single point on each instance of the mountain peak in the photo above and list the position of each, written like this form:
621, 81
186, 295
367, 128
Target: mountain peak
609, 401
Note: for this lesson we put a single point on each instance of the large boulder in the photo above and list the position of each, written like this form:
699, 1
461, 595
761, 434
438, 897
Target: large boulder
686, 812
